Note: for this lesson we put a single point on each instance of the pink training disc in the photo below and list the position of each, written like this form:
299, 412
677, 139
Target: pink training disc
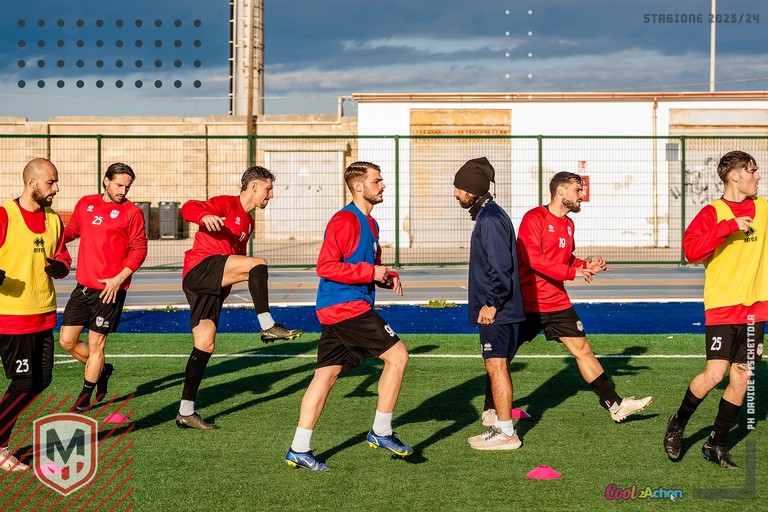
519, 414
49, 469
116, 417
543, 473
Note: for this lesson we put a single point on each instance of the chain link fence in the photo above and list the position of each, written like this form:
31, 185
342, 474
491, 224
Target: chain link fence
642, 191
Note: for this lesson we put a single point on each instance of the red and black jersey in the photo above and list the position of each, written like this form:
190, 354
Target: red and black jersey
112, 237
24, 324
545, 248
231, 239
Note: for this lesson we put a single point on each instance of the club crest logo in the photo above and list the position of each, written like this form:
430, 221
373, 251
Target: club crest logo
66, 451
113, 214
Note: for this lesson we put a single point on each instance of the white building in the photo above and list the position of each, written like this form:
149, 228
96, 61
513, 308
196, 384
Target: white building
635, 183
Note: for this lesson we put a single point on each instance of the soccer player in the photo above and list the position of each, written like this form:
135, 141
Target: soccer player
113, 245
31, 253
215, 262
349, 266
545, 248
729, 237
495, 300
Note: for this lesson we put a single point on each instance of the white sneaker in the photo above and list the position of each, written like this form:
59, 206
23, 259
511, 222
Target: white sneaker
489, 417
10, 463
629, 406
480, 437
495, 439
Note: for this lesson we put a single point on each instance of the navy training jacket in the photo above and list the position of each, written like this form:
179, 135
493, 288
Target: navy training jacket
493, 277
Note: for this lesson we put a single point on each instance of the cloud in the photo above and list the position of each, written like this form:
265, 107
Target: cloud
351, 46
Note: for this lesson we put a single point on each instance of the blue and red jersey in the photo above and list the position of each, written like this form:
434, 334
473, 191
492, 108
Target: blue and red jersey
346, 266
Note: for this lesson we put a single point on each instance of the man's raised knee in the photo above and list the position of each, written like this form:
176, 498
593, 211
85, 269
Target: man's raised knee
68, 344
258, 261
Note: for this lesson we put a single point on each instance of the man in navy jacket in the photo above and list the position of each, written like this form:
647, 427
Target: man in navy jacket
495, 300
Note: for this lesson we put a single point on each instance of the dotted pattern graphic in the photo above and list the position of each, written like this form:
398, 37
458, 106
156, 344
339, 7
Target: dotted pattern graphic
530, 36
115, 37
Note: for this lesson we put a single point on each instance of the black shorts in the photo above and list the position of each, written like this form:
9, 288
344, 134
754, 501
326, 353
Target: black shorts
735, 343
28, 355
202, 286
499, 340
556, 325
86, 309
349, 342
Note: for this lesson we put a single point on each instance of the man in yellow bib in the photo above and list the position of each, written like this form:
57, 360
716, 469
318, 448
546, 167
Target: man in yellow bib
31, 254
730, 237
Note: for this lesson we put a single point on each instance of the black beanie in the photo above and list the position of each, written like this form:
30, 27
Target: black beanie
475, 176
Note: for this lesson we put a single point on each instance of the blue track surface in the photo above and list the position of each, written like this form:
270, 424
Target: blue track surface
609, 318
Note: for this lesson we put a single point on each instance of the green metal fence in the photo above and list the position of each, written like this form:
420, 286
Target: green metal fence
643, 191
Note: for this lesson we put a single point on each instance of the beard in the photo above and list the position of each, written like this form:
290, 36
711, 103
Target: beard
372, 198
467, 204
40, 199
573, 206
116, 198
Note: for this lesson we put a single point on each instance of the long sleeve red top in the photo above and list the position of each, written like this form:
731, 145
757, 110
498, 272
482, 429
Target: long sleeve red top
545, 248
112, 237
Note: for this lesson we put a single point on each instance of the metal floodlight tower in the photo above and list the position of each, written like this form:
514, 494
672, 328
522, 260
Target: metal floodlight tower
246, 80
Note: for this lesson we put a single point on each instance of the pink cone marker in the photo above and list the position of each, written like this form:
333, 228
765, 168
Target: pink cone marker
543, 473
49, 469
519, 414
116, 417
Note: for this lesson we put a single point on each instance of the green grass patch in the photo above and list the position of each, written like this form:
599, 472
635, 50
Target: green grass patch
255, 400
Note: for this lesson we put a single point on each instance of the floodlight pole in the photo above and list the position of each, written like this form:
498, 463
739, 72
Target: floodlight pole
713, 25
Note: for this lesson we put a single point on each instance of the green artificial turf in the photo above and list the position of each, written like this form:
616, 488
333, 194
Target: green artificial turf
254, 396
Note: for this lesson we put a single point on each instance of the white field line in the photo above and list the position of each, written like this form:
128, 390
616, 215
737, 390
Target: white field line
246, 304
419, 356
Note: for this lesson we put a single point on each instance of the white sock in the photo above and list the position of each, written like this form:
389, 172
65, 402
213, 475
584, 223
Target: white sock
301, 440
382, 423
505, 426
265, 320
187, 408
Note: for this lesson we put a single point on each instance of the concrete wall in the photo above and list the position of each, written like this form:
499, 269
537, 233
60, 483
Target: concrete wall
177, 159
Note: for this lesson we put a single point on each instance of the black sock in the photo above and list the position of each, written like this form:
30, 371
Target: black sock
727, 413
84, 399
488, 403
605, 389
687, 408
257, 286
193, 375
12, 405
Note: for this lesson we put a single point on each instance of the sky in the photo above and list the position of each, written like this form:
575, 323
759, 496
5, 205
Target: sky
87, 57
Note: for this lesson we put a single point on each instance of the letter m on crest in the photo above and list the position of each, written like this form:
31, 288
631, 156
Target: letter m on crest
66, 451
